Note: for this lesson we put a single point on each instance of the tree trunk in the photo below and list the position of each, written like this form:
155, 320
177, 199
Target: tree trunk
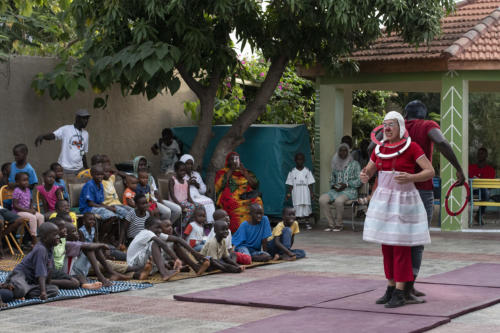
234, 136
206, 95
204, 133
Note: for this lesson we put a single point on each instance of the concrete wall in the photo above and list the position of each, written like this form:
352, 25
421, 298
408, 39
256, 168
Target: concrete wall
126, 128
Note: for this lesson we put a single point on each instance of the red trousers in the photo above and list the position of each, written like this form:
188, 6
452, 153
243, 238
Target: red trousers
397, 263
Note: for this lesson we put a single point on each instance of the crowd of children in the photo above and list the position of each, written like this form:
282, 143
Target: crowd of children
149, 233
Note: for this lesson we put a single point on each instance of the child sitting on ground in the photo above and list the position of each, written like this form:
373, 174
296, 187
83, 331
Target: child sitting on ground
59, 181
136, 218
146, 244
92, 198
63, 211
21, 164
23, 205
30, 278
195, 231
129, 193
300, 188
240, 258
216, 250
184, 252
91, 255
57, 275
251, 236
49, 192
280, 243
179, 191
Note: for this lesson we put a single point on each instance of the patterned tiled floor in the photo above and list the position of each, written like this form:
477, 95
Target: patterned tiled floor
329, 254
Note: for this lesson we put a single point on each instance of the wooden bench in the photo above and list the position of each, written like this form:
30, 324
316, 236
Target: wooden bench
479, 183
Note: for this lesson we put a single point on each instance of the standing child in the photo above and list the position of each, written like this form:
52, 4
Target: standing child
300, 188
129, 193
23, 205
281, 242
59, 181
49, 192
195, 231
251, 236
216, 250
21, 164
179, 191
144, 188
169, 149
136, 218
31, 277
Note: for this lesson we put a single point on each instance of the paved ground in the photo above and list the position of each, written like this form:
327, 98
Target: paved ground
329, 254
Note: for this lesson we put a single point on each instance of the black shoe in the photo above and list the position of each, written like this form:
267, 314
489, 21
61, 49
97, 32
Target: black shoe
387, 296
410, 298
397, 299
417, 293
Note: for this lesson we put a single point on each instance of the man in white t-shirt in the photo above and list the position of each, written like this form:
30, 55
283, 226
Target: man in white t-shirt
74, 143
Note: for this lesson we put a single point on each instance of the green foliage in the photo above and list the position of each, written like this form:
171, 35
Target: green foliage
292, 101
363, 122
41, 27
484, 118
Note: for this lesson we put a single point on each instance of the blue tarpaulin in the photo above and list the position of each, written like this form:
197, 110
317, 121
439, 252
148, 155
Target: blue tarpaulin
268, 151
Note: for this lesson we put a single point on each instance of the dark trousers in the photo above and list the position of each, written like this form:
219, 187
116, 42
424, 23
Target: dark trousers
23, 288
417, 252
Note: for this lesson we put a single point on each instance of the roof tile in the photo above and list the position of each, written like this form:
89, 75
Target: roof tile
472, 32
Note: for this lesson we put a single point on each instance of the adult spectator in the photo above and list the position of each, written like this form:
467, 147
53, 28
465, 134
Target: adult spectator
361, 155
236, 190
74, 143
344, 186
482, 170
197, 187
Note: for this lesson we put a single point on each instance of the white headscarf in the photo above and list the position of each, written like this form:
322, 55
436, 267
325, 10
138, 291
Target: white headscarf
186, 157
393, 115
339, 164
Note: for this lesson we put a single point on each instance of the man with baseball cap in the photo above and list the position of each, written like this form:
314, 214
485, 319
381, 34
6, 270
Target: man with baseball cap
75, 143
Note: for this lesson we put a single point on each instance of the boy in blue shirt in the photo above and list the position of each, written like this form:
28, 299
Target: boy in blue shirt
92, 197
21, 164
251, 236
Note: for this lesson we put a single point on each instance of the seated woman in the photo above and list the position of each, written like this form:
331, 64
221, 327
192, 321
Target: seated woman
236, 189
197, 187
344, 186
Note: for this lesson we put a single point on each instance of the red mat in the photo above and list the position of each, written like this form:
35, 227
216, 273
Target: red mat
480, 275
442, 300
328, 320
289, 292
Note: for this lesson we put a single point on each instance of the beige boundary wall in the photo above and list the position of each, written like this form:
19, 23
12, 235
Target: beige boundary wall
126, 128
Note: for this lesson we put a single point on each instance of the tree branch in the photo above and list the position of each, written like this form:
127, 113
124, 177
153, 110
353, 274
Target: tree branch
190, 81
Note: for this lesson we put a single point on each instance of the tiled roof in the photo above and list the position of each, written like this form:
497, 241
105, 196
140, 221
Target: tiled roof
471, 33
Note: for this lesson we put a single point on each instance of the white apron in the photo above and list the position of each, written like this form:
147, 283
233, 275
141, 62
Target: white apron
396, 214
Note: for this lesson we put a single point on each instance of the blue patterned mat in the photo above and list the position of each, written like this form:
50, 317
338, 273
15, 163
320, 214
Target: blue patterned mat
117, 287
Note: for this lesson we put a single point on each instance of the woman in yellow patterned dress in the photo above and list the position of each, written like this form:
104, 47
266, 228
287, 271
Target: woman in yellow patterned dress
236, 189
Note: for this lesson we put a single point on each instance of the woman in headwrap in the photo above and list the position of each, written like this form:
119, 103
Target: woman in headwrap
396, 217
197, 187
236, 189
344, 186
168, 209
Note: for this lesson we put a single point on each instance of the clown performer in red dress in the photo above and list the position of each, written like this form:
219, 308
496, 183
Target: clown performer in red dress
396, 217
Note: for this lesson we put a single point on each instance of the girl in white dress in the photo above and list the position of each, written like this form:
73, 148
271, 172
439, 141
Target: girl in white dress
299, 186
197, 187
